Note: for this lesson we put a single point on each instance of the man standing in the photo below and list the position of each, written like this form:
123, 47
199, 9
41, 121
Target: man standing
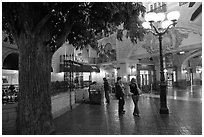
107, 90
120, 95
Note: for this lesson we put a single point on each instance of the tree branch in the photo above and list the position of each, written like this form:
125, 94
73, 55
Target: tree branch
40, 25
14, 31
63, 36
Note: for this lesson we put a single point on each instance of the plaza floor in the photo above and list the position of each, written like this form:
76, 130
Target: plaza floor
185, 117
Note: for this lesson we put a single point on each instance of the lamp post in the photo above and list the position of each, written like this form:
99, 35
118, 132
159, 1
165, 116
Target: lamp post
158, 26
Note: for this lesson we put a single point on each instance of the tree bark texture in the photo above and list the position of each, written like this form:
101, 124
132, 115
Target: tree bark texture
34, 107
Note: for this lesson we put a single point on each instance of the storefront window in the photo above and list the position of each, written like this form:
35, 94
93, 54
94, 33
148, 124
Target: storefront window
174, 76
144, 77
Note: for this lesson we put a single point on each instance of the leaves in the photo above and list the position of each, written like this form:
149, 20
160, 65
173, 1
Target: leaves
88, 21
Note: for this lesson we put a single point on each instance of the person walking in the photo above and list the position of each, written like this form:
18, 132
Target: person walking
135, 96
106, 89
120, 95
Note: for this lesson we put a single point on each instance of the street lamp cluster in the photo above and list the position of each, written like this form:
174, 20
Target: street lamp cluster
158, 20
157, 24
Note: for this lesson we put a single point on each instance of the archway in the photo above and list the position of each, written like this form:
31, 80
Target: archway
11, 62
193, 55
192, 68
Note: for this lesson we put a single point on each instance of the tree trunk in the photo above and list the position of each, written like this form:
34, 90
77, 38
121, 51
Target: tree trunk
34, 105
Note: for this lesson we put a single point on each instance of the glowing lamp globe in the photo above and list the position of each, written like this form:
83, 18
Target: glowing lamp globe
166, 23
160, 17
173, 16
150, 17
146, 25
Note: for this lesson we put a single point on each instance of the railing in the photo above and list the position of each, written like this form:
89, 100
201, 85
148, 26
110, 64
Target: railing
162, 8
182, 3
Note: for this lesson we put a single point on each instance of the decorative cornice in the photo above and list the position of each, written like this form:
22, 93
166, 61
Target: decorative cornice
171, 41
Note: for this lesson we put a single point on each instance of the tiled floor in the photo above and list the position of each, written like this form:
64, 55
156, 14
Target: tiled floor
185, 117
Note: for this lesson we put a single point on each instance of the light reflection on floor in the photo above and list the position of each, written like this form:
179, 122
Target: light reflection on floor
184, 118
191, 93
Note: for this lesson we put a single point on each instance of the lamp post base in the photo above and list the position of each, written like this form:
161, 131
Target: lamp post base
164, 111
163, 100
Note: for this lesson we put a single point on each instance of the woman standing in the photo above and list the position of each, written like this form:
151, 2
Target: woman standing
135, 96
120, 96
106, 89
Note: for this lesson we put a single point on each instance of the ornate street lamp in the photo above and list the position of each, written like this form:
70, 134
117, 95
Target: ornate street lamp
157, 24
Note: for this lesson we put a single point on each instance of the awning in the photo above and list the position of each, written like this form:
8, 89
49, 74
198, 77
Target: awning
72, 66
89, 68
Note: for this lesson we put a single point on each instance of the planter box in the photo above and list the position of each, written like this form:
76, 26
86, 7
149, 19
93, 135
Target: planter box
60, 105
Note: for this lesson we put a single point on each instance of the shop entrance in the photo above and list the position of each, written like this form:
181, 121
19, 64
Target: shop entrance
146, 79
170, 79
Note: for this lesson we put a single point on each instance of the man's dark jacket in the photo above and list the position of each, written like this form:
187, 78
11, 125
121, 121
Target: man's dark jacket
119, 90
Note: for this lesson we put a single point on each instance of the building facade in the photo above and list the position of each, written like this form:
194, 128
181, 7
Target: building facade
182, 50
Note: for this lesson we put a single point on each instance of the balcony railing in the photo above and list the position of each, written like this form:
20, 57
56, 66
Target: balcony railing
162, 8
182, 3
